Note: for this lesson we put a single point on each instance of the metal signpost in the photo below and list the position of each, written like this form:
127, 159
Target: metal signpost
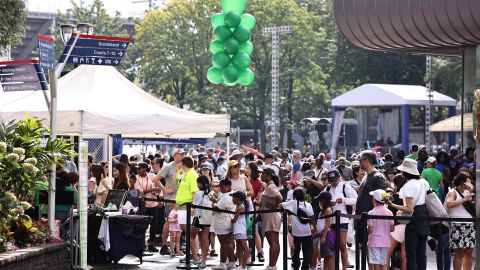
90, 50
275, 33
46, 51
22, 75
83, 203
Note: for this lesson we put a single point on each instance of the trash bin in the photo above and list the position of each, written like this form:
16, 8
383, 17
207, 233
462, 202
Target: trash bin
127, 236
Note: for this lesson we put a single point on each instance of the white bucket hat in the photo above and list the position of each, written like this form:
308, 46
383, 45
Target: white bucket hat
409, 166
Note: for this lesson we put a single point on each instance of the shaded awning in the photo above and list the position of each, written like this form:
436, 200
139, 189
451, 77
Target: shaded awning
454, 124
442, 27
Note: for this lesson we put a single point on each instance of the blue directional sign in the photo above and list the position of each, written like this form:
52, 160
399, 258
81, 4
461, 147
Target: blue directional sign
22, 75
46, 48
95, 50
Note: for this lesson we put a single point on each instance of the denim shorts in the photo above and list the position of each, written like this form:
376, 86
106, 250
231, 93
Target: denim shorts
343, 227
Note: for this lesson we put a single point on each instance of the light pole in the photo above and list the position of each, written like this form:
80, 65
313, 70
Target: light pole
66, 31
275, 33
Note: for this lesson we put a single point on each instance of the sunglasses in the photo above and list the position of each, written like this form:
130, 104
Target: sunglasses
236, 166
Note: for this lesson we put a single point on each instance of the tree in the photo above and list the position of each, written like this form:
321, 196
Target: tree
13, 15
176, 56
104, 24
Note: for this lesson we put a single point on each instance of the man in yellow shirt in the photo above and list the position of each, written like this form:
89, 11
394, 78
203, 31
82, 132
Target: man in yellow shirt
187, 187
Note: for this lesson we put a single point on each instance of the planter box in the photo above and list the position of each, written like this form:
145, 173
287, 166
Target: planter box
50, 256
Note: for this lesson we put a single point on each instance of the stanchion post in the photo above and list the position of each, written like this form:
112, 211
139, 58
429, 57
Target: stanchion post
72, 265
439, 245
357, 244
285, 240
337, 240
187, 264
252, 242
363, 233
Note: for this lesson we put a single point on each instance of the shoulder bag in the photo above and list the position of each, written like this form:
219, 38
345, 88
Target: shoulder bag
434, 206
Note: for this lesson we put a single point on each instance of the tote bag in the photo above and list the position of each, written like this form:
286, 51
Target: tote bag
434, 206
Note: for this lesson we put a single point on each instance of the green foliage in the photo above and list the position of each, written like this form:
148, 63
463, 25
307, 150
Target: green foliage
13, 15
316, 62
23, 158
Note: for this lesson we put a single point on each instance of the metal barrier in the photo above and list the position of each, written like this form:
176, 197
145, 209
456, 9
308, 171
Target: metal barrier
361, 250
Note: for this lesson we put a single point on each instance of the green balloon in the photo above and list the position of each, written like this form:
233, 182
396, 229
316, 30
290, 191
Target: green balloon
230, 84
241, 34
232, 19
246, 47
231, 46
245, 77
216, 46
222, 32
234, 5
230, 74
248, 21
214, 75
241, 61
217, 20
220, 60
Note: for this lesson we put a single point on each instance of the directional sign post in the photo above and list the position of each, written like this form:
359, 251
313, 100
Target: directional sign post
95, 50
22, 75
46, 48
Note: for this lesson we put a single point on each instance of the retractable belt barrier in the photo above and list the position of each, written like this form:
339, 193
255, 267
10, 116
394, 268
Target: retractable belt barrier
360, 246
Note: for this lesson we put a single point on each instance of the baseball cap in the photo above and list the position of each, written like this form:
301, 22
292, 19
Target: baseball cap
202, 156
232, 163
220, 158
194, 153
269, 155
178, 151
205, 166
239, 194
431, 159
235, 152
378, 195
333, 175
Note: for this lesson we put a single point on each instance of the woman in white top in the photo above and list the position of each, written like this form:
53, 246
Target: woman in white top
413, 194
101, 186
239, 182
462, 234
201, 221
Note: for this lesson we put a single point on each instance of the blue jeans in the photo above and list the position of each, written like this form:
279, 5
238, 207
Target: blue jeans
416, 239
447, 256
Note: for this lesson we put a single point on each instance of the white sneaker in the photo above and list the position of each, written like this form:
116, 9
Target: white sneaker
270, 267
221, 266
232, 265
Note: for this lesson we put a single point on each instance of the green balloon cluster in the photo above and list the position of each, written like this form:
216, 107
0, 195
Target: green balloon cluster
231, 48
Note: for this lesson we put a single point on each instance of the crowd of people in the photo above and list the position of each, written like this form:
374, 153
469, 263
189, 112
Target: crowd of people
311, 189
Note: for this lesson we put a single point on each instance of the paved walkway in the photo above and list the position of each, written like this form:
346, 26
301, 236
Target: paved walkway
159, 262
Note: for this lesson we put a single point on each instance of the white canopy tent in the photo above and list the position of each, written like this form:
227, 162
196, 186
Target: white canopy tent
382, 95
97, 100
454, 124
390, 99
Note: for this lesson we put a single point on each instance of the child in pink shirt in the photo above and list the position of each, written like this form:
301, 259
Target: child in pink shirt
379, 231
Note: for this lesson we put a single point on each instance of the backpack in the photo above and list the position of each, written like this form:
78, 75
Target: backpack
349, 207
302, 215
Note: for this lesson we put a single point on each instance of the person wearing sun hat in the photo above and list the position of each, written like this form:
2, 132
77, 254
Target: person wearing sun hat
413, 194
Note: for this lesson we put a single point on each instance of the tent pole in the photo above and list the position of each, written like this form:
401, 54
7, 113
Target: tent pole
110, 155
